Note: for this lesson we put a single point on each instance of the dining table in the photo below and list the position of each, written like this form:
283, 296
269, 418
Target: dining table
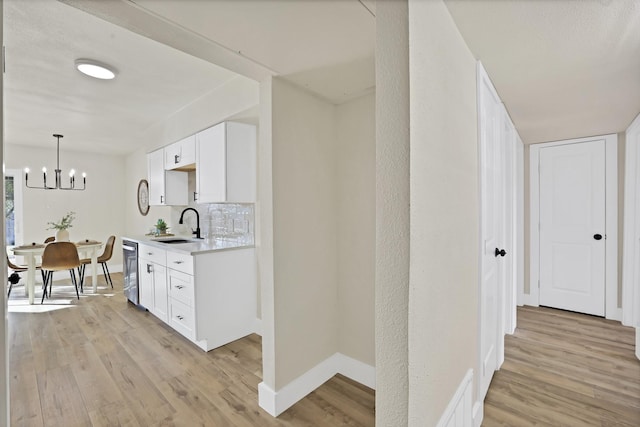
88, 248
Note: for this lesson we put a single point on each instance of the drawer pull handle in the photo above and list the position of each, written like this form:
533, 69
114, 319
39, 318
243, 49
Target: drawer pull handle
149, 253
179, 286
178, 262
179, 317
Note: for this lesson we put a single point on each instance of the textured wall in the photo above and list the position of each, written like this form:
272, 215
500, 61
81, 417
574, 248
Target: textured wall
392, 212
443, 292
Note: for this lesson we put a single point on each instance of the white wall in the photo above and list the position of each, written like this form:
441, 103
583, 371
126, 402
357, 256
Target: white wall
100, 209
392, 212
443, 293
315, 240
4, 330
305, 231
356, 207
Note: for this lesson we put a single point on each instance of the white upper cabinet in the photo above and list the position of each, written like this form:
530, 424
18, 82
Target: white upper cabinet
181, 154
165, 187
226, 163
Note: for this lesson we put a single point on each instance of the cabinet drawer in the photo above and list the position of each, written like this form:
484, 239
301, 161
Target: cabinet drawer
182, 319
153, 254
181, 287
180, 262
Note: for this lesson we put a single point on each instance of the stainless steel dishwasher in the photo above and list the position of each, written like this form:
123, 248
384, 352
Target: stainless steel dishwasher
130, 270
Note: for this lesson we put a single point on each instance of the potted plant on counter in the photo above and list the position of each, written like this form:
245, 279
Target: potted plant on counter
62, 235
161, 227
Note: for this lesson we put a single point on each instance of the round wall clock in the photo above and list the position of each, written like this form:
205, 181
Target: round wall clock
143, 197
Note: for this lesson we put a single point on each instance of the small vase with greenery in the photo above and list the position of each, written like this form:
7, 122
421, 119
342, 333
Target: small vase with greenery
161, 227
62, 235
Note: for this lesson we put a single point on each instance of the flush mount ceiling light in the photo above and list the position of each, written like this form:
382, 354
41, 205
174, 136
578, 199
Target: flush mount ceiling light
95, 69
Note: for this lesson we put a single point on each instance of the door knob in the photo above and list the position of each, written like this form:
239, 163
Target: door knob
500, 252
597, 236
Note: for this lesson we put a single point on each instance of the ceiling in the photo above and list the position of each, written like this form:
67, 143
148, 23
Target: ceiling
45, 94
563, 68
168, 54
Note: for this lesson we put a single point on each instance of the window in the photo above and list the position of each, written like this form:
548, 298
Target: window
13, 207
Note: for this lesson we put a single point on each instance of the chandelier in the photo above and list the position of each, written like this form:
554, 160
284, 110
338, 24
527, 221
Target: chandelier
58, 185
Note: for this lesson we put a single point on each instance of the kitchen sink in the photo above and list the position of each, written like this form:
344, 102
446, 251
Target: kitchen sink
173, 241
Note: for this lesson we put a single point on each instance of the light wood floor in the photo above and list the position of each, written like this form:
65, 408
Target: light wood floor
566, 369
102, 362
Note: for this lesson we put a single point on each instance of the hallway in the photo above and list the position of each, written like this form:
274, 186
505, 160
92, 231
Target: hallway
564, 368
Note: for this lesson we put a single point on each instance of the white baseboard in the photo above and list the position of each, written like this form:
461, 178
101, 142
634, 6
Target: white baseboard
478, 414
459, 412
276, 402
615, 315
356, 370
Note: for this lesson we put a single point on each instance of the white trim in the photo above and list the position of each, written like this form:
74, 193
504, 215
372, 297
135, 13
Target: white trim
533, 298
511, 212
519, 273
276, 402
611, 205
611, 244
356, 370
631, 240
478, 413
459, 412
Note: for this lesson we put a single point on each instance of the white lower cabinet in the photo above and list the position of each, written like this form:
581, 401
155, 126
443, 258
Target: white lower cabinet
181, 303
209, 298
153, 281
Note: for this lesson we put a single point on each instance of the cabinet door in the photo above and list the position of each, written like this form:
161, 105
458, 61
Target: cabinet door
160, 301
145, 284
155, 168
180, 153
211, 165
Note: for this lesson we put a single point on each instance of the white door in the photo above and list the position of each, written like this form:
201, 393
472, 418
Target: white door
490, 117
572, 227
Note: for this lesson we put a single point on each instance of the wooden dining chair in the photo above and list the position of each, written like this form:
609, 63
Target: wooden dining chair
58, 256
102, 260
50, 239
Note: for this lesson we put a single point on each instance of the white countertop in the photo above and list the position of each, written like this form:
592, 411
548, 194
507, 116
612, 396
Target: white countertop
194, 247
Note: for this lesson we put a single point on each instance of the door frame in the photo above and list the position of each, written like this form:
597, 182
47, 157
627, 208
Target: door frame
631, 249
611, 228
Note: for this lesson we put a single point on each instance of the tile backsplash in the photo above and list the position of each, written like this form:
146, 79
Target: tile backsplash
228, 221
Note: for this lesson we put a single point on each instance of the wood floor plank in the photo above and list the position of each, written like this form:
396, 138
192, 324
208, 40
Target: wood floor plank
563, 368
117, 365
60, 398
